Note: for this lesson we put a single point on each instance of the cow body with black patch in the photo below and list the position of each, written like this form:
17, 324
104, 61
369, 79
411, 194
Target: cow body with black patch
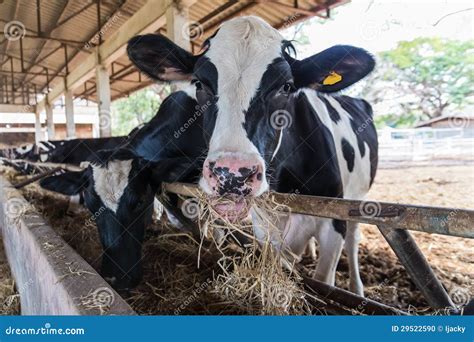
119, 186
249, 83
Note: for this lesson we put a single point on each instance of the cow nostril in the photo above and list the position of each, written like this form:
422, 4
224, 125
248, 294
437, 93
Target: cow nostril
247, 173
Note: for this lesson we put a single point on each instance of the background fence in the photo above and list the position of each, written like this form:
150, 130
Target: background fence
425, 144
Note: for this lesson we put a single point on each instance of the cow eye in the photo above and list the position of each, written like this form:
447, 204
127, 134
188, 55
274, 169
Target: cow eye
198, 85
288, 87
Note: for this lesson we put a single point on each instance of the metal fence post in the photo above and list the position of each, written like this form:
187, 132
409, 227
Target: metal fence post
417, 267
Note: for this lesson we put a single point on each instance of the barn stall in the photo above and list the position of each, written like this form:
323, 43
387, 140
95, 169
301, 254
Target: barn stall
58, 262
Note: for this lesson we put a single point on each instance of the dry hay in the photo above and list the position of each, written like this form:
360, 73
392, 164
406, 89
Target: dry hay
9, 297
215, 274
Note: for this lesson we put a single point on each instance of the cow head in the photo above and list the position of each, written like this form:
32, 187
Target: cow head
247, 74
31, 152
118, 190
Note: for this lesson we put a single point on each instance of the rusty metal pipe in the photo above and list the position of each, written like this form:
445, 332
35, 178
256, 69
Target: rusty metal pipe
445, 221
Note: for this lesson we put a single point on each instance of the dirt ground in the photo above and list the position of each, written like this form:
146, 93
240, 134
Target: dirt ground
383, 276
452, 258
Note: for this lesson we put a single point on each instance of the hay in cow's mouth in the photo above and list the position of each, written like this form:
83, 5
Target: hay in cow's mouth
250, 274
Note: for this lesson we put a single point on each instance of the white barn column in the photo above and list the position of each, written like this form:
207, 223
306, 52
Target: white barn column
103, 101
49, 120
38, 133
177, 24
177, 29
69, 106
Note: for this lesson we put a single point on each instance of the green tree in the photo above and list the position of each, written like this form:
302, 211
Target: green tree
136, 109
423, 79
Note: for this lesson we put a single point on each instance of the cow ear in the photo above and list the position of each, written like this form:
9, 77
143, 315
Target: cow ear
333, 69
69, 183
160, 58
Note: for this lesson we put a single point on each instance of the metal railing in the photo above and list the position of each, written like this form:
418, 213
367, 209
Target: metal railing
394, 222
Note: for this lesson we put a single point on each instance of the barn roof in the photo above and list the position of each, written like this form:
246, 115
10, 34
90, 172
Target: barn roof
450, 117
59, 39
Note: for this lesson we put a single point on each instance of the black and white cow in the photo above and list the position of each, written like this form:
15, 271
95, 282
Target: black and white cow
272, 123
119, 186
72, 151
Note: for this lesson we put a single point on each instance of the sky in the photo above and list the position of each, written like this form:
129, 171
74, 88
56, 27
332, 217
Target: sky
378, 25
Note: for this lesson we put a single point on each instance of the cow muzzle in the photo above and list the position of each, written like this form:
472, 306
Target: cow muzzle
233, 177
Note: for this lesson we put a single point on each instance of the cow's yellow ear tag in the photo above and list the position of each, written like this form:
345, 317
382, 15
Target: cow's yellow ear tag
332, 78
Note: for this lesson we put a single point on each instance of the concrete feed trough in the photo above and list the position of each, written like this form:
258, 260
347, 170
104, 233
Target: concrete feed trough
51, 277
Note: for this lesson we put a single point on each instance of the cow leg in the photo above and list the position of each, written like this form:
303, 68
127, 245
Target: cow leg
310, 250
299, 233
74, 205
351, 247
157, 209
330, 247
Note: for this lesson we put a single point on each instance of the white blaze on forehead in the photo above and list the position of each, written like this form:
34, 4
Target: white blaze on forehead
110, 182
241, 52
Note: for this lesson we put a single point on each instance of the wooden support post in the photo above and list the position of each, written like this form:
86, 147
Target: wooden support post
417, 267
69, 106
49, 120
38, 132
5, 89
2, 90
177, 24
177, 29
103, 101
12, 80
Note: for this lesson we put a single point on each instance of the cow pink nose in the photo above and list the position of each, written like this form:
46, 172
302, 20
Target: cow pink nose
233, 176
